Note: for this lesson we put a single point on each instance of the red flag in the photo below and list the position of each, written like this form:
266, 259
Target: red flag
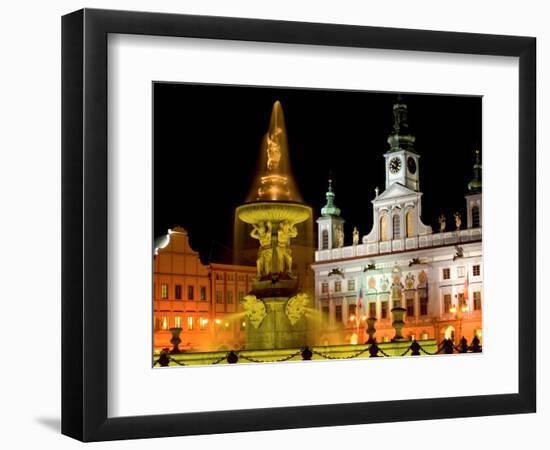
360, 298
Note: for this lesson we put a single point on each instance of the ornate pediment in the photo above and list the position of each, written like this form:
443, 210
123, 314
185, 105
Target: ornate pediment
395, 190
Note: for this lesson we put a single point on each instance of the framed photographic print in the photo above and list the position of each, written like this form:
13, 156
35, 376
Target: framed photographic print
274, 224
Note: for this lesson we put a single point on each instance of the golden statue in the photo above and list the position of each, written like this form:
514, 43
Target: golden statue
458, 220
442, 223
286, 232
273, 150
262, 232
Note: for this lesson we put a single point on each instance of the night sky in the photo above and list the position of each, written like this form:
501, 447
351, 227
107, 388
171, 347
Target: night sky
207, 140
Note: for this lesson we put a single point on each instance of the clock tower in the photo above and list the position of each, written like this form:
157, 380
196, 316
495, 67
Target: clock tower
401, 159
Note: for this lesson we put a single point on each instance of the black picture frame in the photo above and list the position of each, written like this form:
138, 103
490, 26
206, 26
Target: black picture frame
84, 224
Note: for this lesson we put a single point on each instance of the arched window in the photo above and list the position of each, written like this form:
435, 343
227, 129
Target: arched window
384, 227
410, 225
475, 216
324, 240
396, 226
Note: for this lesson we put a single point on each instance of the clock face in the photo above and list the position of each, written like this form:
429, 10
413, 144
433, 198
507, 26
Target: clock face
395, 165
411, 164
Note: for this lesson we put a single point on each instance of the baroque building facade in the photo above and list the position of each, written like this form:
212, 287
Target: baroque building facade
435, 276
203, 300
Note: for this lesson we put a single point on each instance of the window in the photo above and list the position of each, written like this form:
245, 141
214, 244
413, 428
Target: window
164, 323
396, 303
423, 305
476, 270
230, 277
461, 301
190, 292
410, 307
384, 228
163, 290
447, 274
337, 286
338, 313
203, 293
190, 323
396, 227
324, 288
475, 216
324, 240
158, 323
202, 323
460, 272
352, 309
477, 301
177, 292
351, 285
384, 310
219, 276
177, 322
325, 314
241, 278
410, 224
219, 296
229, 297
372, 309
240, 296
447, 303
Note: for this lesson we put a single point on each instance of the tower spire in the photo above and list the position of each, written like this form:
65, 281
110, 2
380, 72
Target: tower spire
330, 209
474, 186
400, 137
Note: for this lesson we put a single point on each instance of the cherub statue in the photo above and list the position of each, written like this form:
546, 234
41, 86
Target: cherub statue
442, 223
273, 150
458, 220
286, 232
340, 236
262, 232
355, 236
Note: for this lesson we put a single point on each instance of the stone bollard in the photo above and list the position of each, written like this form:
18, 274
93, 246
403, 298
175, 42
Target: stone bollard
476, 348
448, 346
415, 348
370, 329
398, 323
373, 350
463, 345
232, 357
164, 358
306, 353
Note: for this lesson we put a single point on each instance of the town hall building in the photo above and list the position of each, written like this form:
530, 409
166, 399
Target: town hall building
437, 276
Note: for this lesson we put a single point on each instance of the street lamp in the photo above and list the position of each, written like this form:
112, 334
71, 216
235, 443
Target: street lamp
458, 312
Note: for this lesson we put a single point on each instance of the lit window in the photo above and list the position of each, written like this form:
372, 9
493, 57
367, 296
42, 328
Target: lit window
324, 240
447, 303
203, 293
177, 292
164, 323
460, 272
351, 285
372, 309
202, 323
229, 297
219, 296
396, 227
324, 288
461, 301
475, 216
158, 323
476, 270
477, 301
410, 224
384, 310
446, 274
177, 322
410, 307
190, 292
338, 313
424, 305
164, 290
351, 312
337, 286
190, 323
384, 228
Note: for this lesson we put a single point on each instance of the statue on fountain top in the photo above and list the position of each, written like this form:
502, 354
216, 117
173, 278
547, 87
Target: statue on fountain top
273, 150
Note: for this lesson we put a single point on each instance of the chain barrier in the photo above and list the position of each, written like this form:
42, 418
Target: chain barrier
254, 360
355, 355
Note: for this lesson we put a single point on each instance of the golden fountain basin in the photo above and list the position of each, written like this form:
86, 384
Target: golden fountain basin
256, 212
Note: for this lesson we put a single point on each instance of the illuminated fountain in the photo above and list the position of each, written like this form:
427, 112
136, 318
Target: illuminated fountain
274, 308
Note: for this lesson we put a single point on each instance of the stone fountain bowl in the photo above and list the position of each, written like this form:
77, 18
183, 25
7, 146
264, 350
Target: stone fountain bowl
273, 211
